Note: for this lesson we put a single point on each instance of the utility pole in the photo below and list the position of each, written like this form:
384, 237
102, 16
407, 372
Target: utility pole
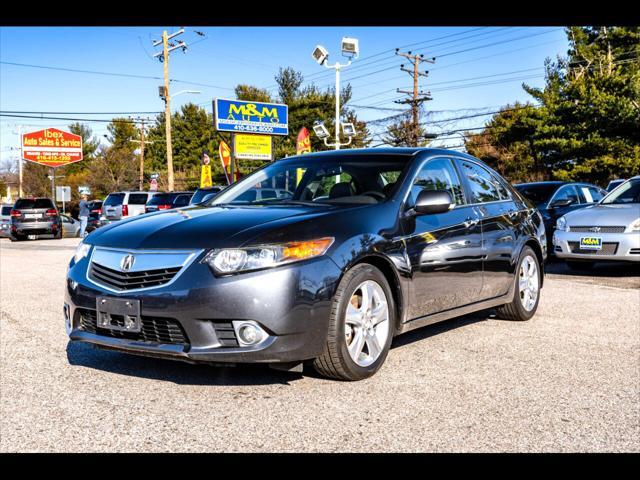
163, 56
142, 143
417, 96
19, 133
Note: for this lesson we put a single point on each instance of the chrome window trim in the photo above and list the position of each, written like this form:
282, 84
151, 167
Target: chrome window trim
193, 254
456, 157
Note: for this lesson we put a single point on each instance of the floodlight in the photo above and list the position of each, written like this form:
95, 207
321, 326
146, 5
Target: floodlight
320, 130
320, 54
350, 47
348, 129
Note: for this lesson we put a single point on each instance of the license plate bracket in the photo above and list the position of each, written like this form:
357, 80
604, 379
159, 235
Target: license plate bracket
591, 243
120, 314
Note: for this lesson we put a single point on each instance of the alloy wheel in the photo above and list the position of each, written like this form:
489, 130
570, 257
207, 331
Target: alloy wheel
528, 283
367, 323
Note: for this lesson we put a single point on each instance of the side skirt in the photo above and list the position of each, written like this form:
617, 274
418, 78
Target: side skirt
453, 313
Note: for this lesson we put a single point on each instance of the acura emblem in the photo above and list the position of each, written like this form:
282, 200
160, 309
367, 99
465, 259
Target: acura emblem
127, 262
594, 229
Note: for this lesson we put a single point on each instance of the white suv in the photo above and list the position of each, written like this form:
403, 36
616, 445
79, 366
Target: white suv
119, 205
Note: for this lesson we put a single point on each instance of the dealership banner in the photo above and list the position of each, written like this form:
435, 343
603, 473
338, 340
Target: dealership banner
225, 158
205, 176
252, 147
303, 143
239, 116
51, 147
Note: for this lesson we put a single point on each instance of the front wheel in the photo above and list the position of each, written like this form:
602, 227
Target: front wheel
360, 327
526, 295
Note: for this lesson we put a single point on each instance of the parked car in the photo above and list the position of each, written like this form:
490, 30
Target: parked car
205, 193
168, 200
31, 217
372, 243
615, 183
607, 231
70, 226
5, 220
259, 194
554, 199
118, 205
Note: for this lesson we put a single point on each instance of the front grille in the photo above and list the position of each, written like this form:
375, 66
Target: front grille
131, 280
226, 334
608, 248
634, 251
558, 248
602, 229
154, 329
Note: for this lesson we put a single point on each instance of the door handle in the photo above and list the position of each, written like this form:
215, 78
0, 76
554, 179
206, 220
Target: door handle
471, 222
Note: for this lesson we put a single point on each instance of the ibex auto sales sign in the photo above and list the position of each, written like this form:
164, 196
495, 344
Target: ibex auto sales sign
51, 147
250, 117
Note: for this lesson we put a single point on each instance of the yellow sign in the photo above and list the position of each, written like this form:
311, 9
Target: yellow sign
205, 176
252, 147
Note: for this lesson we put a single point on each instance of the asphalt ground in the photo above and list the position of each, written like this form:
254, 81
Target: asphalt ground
567, 380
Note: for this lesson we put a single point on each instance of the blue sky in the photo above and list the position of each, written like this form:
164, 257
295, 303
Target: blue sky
470, 71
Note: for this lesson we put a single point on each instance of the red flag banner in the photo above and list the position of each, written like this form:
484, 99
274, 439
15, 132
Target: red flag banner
303, 143
225, 158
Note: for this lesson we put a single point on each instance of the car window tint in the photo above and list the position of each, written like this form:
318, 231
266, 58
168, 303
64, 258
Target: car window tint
484, 187
248, 196
114, 199
596, 194
502, 190
6, 211
438, 174
565, 193
34, 203
138, 198
182, 200
266, 194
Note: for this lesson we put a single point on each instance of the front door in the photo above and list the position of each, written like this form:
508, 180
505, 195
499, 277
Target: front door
445, 249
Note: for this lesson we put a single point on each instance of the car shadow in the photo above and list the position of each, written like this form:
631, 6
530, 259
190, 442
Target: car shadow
604, 269
427, 331
181, 373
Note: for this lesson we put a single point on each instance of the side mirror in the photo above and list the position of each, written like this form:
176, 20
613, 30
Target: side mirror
564, 202
433, 201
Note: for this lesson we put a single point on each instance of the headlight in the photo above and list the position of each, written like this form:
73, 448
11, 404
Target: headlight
561, 224
233, 260
635, 226
81, 251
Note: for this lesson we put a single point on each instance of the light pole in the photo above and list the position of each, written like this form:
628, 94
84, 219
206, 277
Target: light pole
350, 49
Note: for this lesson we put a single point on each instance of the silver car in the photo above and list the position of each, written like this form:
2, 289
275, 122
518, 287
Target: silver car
5, 220
609, 230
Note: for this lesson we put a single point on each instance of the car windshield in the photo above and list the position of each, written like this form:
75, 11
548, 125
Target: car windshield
114, 199
537, 193
627, 193
321, 180
34, 203
6, 211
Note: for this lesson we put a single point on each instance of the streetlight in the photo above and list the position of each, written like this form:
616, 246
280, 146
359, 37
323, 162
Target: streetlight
350, 49
186, 91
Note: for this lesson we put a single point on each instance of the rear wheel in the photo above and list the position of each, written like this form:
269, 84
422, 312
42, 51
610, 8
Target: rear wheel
580, 266
526, 295
360, 327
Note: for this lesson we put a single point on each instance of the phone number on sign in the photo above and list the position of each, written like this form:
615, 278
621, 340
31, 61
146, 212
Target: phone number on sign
245, 128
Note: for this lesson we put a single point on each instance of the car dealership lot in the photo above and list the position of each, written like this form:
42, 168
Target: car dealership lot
568, 380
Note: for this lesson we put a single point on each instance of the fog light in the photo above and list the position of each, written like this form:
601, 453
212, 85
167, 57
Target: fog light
249, 333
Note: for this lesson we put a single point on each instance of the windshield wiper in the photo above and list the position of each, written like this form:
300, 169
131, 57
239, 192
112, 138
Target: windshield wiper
277, 201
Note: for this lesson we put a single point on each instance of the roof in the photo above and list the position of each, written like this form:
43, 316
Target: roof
408, 151
535, 184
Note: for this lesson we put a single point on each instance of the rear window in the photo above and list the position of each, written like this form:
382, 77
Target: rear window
114, 199
34, 203
6, 211
138, 198
161, 199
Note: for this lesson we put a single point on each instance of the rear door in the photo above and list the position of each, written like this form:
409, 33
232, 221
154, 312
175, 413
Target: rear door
136, 203
445, 249
500, 220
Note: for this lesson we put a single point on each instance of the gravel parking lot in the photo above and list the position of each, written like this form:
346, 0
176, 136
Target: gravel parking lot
568, 380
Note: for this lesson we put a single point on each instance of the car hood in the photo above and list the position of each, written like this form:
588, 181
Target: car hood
604, 215
200, 227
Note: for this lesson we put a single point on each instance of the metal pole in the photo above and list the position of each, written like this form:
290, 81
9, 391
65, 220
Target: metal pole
167, 110
337, 106
53, 185
141, 182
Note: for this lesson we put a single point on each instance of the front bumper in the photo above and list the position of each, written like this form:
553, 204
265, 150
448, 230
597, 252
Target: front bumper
615, 246
291, 303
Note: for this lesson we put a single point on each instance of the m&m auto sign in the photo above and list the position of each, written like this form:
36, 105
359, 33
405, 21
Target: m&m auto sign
51, 147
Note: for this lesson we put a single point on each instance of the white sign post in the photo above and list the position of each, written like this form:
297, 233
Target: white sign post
63, 194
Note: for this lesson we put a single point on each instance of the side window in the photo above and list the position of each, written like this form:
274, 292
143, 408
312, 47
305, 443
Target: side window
137, 198
568, 192
484, 188
182, 200
502, 190
438, 174
590, 194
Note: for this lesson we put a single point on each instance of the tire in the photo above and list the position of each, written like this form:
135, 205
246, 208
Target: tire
336, 361
58, 235
16, 238
580, 266
516, 309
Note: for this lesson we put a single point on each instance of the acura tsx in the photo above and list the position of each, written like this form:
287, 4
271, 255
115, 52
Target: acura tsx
367, 244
